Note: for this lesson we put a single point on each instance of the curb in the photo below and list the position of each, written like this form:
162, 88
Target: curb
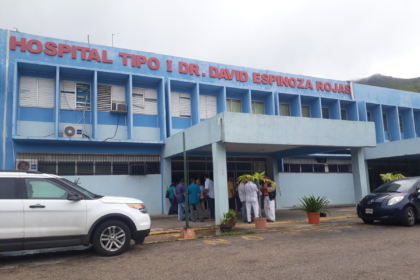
252, 225
244, 233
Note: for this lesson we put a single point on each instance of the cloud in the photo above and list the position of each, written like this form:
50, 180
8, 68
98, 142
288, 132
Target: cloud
330, 39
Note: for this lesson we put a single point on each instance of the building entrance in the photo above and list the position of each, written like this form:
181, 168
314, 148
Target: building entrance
198, 166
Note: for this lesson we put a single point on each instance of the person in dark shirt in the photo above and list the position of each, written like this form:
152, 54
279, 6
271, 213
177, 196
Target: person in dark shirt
180, 196
194, 192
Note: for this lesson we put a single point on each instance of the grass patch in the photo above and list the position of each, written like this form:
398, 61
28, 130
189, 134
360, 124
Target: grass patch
237, 233
200, 236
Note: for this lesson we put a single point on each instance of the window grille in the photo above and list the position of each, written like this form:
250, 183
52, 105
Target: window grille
91, 164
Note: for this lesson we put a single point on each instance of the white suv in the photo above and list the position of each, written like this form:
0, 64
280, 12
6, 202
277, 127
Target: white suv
46, 211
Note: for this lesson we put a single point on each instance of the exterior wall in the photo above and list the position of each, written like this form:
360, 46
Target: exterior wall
146, 188
337, 187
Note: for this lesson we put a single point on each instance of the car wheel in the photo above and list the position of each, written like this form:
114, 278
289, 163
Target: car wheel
111, 238
409, 217
368, 221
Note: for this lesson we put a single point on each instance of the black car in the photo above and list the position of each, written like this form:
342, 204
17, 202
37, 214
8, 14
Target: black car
394, 201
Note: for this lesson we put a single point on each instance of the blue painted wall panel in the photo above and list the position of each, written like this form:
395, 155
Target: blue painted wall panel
181, 123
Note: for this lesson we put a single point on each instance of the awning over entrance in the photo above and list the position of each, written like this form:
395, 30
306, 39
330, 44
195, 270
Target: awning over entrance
279, 136
274, 136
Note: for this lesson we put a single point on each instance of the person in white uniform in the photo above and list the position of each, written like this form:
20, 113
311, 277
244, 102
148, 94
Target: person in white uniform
269, 193
251, 197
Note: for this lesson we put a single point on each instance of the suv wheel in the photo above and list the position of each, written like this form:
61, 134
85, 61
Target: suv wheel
112, 238
409, 217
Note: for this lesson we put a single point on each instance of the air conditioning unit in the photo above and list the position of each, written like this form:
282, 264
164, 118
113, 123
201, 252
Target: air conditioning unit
118, 107
73, 131
27, 164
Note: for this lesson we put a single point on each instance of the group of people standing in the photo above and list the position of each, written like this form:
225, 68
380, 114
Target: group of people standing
248, 194
243, 197
199, 197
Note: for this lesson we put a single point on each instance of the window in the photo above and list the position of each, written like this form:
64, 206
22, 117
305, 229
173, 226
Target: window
180, 105
325, 113
233, 105
208, 106
401, 123
108, 94
144, 101
36, 92
344, 115
74, 96
343, 168
306, 112
8, 188
385, 122
257, 107
45, 189
369, 117
284, 110
306, 168
319, 168
332, 168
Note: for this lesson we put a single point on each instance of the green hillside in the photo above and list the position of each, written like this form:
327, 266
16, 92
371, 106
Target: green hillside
391, 82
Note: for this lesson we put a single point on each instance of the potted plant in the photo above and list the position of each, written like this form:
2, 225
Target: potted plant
229, 221
258, 178
313, 206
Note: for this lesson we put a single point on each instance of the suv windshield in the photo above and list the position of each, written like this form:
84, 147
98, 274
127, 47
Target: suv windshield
79, 188
396, 186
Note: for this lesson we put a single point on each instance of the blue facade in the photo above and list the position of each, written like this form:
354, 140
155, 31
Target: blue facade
38, 129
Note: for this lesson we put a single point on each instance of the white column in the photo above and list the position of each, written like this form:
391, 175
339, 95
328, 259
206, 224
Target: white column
360, 173
221, 202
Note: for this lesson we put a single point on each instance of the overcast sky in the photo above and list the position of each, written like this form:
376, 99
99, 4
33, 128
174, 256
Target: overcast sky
330, 39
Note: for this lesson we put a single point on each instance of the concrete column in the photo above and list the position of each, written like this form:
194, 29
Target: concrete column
166, 181
360, 173
220, 180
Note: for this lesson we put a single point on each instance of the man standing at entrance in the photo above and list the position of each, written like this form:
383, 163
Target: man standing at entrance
242, 197
251, 198
194, 199
269, 193
202, 198
180, 196
209, 186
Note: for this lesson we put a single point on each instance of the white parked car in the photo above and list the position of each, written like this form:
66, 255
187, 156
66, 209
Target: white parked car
40, 211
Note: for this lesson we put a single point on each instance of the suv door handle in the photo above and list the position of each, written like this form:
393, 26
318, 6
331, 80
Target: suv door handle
37, 206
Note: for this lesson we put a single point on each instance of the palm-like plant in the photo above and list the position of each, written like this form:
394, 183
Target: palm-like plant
314, 204
260, 178
390, 177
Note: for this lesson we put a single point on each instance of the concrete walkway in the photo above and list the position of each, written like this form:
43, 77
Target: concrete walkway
165, 223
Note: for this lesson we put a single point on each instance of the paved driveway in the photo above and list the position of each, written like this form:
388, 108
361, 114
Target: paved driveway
332, 251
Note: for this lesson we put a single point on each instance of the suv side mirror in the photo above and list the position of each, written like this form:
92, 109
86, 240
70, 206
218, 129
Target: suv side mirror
74, 197
418, 191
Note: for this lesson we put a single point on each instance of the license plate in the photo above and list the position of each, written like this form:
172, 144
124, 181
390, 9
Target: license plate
369, 211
